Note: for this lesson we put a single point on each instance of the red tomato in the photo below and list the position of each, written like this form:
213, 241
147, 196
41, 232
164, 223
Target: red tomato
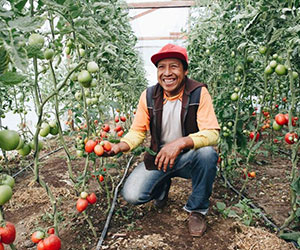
123, 118
1, 246
107, 146
52, 242
106, 127
89, 146
120, 133
117, 118
291, 138
284, 99
286, 118
294, 120
81, 205
280, 119
252, 136
41, 246
51, 230
91, 198
252, 174
98, 149
103, 134
37, 236
118, 128
8, 233
101, 178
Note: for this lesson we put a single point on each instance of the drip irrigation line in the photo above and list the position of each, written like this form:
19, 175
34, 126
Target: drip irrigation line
267, 220
50, 153
104, 231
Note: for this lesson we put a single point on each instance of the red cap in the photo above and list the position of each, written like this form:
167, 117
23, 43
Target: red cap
170, 51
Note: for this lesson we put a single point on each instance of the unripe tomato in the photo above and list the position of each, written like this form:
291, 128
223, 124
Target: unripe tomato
251, 135
25, 150
234, 96
273, 64
268, 70
92, 67
85, 78
7, 180
92, 198
84, 194
262, 49
48, 54
280, 70
280, 119
81, 205
276, 126
89, 146
37, 236
295, 75
9, 139
36, 39
8, 233
5, 194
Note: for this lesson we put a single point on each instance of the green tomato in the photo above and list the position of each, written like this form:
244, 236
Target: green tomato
250, 59
276, 126
54, 130
48, 54
40, 145
21, 144
81, 52
9, 139
45, 129
36, 39
7, 180
280, 70
85, 78
234, 96
92, 67
262, 49
5, 194
268, 70
25, 150
68, 50
295, 75
78, 95
69, 43
94, 83
79, 153
273, 64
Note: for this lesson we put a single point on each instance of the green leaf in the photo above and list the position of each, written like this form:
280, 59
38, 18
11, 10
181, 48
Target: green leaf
221, 205
11, 78
27, 24
20, 4
232, 214
296, 185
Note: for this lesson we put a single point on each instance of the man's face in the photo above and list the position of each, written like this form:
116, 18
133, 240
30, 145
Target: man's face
170, 75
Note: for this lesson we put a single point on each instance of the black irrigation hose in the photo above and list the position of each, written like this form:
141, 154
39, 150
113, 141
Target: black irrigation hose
50, 153
267, 220
104, 231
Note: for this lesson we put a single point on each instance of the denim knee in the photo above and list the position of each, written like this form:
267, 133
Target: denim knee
207, 156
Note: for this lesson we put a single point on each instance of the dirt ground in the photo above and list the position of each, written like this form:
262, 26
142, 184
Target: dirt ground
144, 226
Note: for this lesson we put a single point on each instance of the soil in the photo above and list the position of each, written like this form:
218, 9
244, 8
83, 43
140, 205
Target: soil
145, 226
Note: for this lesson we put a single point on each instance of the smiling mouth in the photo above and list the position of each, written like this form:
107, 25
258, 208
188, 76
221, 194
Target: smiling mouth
169, 81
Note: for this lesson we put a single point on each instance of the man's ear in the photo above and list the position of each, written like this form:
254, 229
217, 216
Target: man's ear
186, 72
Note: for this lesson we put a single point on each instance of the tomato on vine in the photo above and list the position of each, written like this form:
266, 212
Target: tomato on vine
37, 236
91, 198
8, 233
98, 149
81, 205
251, 135
291, 138
89, 146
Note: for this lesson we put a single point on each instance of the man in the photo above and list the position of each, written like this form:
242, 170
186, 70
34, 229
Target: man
179, 113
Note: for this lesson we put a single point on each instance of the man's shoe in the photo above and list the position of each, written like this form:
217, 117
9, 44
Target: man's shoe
161, 202
197, 224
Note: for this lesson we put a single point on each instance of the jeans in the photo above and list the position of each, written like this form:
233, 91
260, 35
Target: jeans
199, 165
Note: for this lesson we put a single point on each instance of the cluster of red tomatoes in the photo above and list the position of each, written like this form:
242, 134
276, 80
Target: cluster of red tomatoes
97, 147
281, 120
46, 241
7, 234
84, 200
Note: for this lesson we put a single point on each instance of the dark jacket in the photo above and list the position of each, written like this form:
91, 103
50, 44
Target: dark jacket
190, 103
